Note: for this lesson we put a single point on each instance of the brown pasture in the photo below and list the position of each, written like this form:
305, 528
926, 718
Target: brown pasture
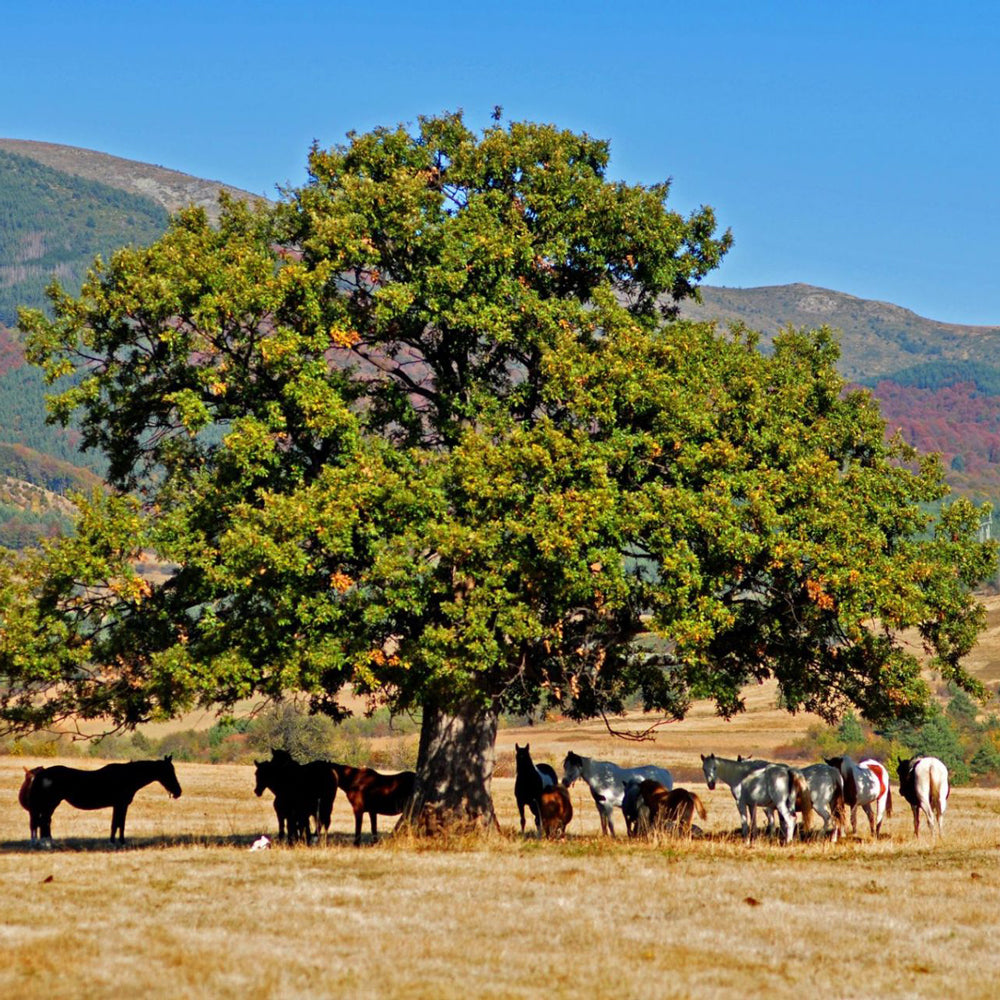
187, 910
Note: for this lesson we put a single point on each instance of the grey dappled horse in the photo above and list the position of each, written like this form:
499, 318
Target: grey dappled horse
826, 793
606, 781
774, 785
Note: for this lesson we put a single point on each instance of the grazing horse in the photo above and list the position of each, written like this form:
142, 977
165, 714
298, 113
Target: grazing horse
658, 808
302, 792
606, 781
923, 782
113, 785
826, 792
22, 796
556, 810
774, 785
374, 793
864, 784
532, 779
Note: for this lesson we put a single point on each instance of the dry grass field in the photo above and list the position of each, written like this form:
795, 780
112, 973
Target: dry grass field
188, 910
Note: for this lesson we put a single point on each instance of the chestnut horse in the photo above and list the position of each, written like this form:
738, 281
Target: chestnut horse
374, 793
113, 785
556, 810
659, 808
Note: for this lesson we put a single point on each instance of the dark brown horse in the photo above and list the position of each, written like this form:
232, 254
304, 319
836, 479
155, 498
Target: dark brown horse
302, 792
22, 795
112, 786
374, 793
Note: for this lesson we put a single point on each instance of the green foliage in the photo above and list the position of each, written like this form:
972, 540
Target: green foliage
467, 454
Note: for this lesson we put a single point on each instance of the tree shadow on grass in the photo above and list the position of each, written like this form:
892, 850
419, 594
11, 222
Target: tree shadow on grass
83, 845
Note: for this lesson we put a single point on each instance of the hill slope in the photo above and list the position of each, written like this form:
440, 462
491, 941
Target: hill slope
877, 338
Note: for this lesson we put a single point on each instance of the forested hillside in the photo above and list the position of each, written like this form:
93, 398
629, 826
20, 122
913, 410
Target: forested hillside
938, 383
59, 207
53, 223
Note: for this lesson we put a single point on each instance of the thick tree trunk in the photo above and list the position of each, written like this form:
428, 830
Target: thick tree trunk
455, 770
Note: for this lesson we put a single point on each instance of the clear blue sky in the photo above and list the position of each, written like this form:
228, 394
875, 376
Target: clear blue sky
853, 145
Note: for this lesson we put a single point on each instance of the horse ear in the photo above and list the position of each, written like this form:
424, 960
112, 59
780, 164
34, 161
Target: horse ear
169, 757
703, 758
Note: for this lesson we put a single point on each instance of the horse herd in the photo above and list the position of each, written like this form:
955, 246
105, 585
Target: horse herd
650, 803
304, 793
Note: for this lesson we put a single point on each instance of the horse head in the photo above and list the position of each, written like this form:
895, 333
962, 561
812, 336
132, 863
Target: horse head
262, 774
572, 768
709, 766
168, 777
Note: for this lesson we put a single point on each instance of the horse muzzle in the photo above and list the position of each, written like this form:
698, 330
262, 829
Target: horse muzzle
711, 785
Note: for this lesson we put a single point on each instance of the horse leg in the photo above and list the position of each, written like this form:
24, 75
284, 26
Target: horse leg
788, 818
118, 822
854, 820
373, 816
870, 813
359, 815
520, 809
611, 825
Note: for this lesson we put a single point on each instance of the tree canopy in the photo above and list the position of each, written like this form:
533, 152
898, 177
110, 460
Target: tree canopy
431, 428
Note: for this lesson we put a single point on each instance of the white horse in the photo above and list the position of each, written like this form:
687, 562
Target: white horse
774, 786
923, 782
607, 782
865, 785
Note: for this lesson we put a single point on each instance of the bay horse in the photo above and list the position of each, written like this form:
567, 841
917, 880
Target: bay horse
606, 781
532, 779
22, 796
865, 784
555, 809
302, 792
660, 809
374, 793
775, 786
113, 785
923, 782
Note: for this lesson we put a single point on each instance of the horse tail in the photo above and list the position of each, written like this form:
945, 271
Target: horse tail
699, 805
801, 794
838, 808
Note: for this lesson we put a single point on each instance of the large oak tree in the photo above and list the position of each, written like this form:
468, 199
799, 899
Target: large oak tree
431, 428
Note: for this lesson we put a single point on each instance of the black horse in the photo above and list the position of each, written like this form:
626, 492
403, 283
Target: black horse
531, 780
301, 792
113, 785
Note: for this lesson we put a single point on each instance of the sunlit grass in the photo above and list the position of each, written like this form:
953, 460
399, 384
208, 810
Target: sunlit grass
187, 910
